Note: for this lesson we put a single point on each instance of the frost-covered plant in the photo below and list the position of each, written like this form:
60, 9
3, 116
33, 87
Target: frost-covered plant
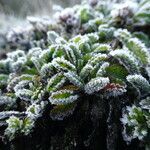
140, 82
7, 102
35, 110
136, 122
98, 60
67, 70
82, 18
18, 127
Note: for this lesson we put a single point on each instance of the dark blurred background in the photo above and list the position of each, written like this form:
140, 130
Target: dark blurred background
13, 12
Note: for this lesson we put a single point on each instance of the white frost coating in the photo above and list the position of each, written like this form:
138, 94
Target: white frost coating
33, 111
3, 114
44, 53
65, 14
139, 43
127, 58
129, 120
35, 52
123, 8
122, 34
96, 84
96, 58
51, 36
103, 47
54, 83
7, 100
139, 81
145, 103
24, 94
15, 60
114, 90
13, 81
21, 85
62, 64
36, 62
60, 40
16, 54
148, 71
61, 101
121, 52
18, 126
70, 54
46, 69
74, 79
86, 70
102, 69
140, 50
93, 37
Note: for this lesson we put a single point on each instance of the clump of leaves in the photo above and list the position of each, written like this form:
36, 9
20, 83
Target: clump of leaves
104, 62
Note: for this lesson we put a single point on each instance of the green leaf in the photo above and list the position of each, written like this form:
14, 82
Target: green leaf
63, 64
3, 80
55, 82
139, 50
58, 50
140, 82
143, 37
116, 71
97, 58
74, 79
126, 58
62, 97
96, 84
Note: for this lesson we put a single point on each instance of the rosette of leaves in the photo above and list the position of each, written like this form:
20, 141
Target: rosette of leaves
85, 65
136, 118
21, 123
136, 122
18, 127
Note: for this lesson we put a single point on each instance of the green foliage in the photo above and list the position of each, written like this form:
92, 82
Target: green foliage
62, 97
91, 51
140, 82
135, 123
55, 82
18, 126
143, 13
139, 50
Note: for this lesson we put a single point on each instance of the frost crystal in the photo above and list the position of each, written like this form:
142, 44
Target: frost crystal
96, 85
63, 97
18, 126
127, 59
134, 122
139, 81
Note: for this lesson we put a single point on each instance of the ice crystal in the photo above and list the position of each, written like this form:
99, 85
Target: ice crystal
63, 97
96, 85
